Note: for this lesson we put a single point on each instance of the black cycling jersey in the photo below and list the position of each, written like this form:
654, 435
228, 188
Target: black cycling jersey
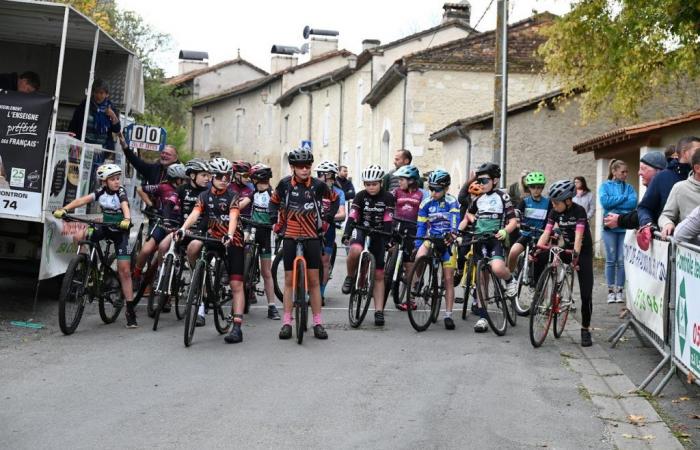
301, 208
374, 211
216, 206
573, 218
188, 195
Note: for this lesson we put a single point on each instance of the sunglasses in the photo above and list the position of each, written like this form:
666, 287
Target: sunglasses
536, 186
222, 177
303, 166
484, 180
436, 188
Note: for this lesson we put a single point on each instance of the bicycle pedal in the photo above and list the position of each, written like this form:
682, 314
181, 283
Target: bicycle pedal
260, 292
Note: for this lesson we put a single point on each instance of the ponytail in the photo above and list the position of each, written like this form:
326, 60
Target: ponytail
614, 165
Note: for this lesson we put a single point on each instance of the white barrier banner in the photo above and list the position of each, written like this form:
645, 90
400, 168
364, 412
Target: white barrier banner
686, 345
646, 274
58, 246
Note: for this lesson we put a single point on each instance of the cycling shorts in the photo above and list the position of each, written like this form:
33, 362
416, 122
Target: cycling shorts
234, 263
525, 240
449, 258
328, 240
377, 246
312, 254
492, 249
411, 230
263, 238
120, 239
158, 234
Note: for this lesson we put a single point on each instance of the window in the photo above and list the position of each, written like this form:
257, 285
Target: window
240, 114
326, 125
360, 96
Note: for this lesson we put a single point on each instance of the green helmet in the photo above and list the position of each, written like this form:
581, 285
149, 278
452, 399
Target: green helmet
535, 178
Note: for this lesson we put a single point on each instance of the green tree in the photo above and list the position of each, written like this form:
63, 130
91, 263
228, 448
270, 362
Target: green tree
623, 52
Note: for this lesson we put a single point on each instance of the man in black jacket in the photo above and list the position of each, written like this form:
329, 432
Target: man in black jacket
26, 82
342, 182
152, 173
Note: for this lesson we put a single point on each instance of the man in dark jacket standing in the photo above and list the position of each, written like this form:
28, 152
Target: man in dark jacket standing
152, 173
342, 182
26, 82
401, 158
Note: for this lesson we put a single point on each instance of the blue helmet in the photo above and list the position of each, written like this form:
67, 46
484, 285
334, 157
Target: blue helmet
409, 171
439, 178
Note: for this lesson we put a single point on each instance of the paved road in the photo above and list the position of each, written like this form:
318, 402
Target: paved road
109, 387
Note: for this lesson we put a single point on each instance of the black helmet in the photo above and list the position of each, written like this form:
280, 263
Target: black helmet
490, 169
196, 165
300, 156
561, 190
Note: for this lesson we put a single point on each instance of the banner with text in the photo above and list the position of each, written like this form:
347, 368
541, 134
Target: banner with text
686, 345
24, 125
646, 275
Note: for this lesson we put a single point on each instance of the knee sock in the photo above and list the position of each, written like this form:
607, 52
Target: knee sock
287, 319
317, 319
323, 290
238, 319
201, 310
448, 314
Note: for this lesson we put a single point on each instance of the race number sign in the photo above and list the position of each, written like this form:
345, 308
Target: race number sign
24, 124
145, 137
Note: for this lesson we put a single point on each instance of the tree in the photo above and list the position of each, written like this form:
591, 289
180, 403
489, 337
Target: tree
623, 52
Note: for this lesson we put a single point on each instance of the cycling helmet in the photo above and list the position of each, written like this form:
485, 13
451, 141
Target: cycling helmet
176, 171
300, 156
108, 170
489, 169
260, 172
373, 172
240, 166
409, 171
196, 165
220, 165
327, 166
439, 178
561, 190
475, 189
535, 178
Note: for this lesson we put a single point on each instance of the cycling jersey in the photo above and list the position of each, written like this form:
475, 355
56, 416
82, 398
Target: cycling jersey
111, 203
329, 237
216, 206
407, 203
534, 214
261, 206
436, 218
297, 207
373, 211
167, 199
493, 210
188, 195
244, 190
570, 221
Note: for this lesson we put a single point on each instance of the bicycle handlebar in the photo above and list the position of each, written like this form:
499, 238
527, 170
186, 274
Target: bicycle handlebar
205, 239
113, 225
373, 231
256, 224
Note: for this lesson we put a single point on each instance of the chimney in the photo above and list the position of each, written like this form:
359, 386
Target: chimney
369, 44
321, 41
192, 60
282, 57
457, 11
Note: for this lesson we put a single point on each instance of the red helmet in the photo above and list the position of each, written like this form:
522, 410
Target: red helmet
260, 172
241, 166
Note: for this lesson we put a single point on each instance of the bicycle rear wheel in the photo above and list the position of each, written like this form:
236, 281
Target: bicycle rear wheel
389, 268
220, 300
334, 253
301, 306
420, 294
111, 301
278, 275
250, 278
184, 277
361, 294
437, 296
492, 298
566, 300
541, 310
194, 298
469, 273
163, 289
523, 300
74, 294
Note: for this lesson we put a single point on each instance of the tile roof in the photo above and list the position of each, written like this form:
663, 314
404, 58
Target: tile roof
319, 82
192, 74
444, 25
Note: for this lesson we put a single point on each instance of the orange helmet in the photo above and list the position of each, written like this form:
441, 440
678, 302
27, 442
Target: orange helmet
475, 189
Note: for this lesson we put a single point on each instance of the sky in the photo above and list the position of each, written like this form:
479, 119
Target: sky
222, 27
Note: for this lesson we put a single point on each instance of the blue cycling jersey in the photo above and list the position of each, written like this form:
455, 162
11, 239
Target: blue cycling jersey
436, 218
534, 214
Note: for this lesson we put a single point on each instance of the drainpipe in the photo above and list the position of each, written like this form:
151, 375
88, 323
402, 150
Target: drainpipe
403, 114
463, 134
341, 84
311, 110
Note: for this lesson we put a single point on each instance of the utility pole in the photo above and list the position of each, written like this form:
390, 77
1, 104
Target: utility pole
500, 89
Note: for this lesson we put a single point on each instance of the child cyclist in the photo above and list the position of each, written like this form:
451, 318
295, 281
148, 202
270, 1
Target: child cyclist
533, 212
297, 208
408, 197
112, 197
373, 207
572, 221
219, 206
261, 174
327, 171
492, 214
438, 217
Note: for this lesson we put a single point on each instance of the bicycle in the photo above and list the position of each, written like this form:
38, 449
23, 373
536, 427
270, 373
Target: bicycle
170, 280
394, 284
490, 292
468, 279
148, 274
526, 273
206, 283
553, 297
300, 288
362, 289
90, 276
251, 262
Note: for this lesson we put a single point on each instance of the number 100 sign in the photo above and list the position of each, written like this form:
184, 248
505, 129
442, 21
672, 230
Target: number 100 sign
145, 137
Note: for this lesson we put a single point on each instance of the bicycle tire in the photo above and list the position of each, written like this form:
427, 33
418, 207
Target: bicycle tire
334, 253
249, 283
541, 310
495, 307
524, 296
469, 274
301, 306
361, 296
111, 299
73, 292
389, 268
136, 249
437, 297
566, 291
276, 273
222, 321
419, 292
162, 297
194, 298
183, 277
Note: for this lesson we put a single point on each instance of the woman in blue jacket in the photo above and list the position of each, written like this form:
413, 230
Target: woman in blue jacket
619, 197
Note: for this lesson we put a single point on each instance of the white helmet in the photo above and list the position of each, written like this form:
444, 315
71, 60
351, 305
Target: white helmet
327, 166
176, 171
373, 172
220, 165
108, 170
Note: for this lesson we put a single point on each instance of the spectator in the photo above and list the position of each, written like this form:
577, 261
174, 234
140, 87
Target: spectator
27, 82
684, 197
670, 152
103, 119
652, 204
344, 184
619, 197
401, 158
584, 197
651, 164
689, 228
518, 190
152, 173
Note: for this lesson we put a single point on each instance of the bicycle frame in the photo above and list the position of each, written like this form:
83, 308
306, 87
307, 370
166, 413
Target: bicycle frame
299, 257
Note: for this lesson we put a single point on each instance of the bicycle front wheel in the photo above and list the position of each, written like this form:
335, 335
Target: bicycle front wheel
470, 278
194, 299
492, 298
183, 277
541, 311
249, 263
111, 301
565, 301
419, 294
163, 289
278, 275
220, 299
389, 268
361, 294
523, 300
74, 294
301, 306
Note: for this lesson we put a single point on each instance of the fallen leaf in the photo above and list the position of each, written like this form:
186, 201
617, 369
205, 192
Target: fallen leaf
648, 437
694, 416
690, 378
636, 420
628, 436
680, 399
684, 435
